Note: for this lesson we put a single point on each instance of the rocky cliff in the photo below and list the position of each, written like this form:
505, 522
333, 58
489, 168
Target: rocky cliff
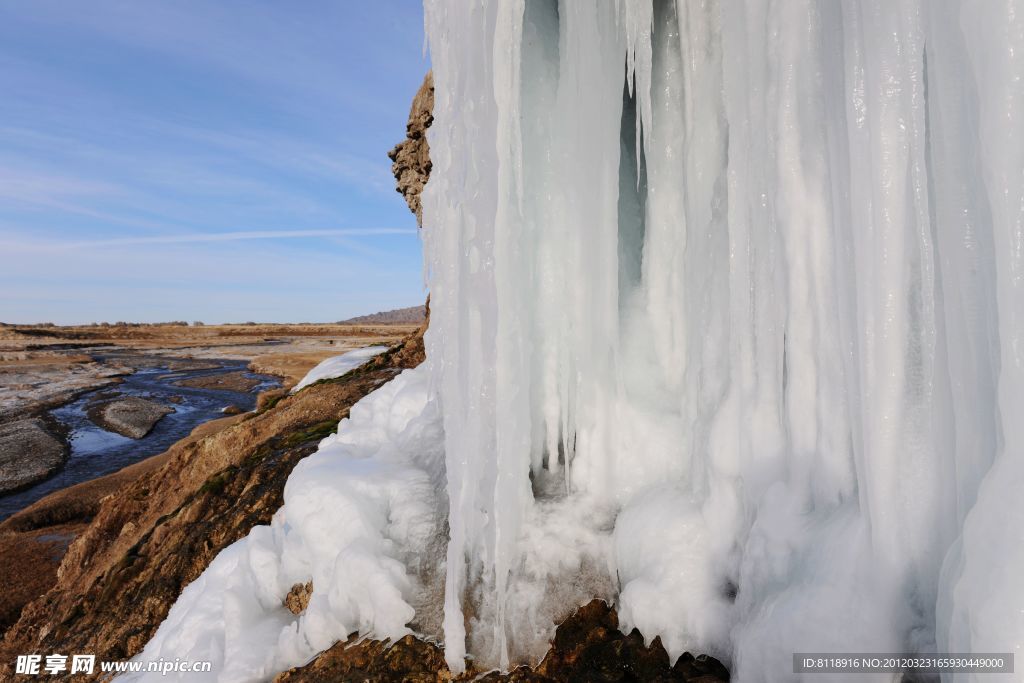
411, 157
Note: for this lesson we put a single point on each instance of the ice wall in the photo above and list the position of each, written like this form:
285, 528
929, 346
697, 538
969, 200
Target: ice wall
728, 322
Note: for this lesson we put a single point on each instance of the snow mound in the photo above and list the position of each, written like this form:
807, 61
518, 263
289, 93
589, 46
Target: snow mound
336, 366
360, 520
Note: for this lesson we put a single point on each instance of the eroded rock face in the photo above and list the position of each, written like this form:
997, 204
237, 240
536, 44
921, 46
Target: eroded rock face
588, 648
29, 453
133, 417
411, 157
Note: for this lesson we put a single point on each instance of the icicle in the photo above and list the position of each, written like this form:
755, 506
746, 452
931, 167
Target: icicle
981, 608
734, 261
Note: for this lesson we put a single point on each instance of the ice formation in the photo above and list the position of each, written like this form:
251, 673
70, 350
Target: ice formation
727, 326
751, 275
336, 366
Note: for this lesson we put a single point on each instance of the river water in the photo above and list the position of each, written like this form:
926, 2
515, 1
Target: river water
96, 452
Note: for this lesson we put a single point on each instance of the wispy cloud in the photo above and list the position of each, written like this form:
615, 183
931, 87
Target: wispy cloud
30, 185
193, 238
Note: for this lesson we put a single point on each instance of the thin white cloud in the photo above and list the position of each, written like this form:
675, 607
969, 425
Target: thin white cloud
192, 238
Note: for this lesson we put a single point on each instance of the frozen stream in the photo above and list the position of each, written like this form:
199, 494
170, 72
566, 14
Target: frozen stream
96, 452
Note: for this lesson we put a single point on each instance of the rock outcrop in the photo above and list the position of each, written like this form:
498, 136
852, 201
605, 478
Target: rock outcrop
29, 453
588, 647
133, 417
298, 597
411, 157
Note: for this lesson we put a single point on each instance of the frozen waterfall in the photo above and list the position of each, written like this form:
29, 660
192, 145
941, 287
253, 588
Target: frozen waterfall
727, 328
746, 280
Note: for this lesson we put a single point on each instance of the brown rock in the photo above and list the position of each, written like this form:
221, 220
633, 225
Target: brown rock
700, 669
588, 647
409, 659
268, 399
133, 417
232, 410
411, 158
298, 597
29, 453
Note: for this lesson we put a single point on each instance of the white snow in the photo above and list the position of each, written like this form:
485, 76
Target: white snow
727, 325
361, 519
336, 366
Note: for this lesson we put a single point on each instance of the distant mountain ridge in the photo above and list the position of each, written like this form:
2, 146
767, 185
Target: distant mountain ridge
413, 315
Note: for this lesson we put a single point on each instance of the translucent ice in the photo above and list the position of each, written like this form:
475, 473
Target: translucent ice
751, 276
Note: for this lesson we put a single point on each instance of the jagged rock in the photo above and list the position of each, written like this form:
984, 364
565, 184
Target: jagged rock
700, 669
411, 157
133, 417
29, 453
590, 641
409, 659
298, 597
588, 647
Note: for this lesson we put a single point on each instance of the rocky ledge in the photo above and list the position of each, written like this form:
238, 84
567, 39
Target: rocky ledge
133, 417
29, 453
588, 646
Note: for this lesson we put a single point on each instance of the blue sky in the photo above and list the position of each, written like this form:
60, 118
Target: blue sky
215, 160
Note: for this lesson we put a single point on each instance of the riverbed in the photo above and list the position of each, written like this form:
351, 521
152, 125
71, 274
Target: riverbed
95, 452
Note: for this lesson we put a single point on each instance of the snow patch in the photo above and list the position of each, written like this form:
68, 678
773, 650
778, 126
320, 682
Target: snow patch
360, 519
336, 366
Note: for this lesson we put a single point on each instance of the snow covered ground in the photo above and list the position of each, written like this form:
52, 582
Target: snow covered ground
361, 520
339, 365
